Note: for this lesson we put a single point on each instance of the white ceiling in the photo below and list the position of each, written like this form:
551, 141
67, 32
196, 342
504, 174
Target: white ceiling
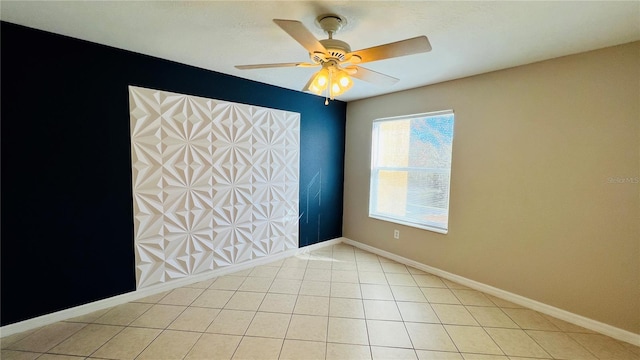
468, 38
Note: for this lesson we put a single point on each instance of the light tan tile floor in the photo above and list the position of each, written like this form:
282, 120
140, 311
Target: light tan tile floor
338, 302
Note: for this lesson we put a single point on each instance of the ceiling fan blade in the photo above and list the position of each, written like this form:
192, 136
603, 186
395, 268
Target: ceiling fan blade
263, 66
411, 46
371, 76
300, 33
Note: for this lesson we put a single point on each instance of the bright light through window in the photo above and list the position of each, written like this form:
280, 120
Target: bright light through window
411, 170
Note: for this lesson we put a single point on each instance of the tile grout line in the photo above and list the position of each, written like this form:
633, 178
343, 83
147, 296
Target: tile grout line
366, 324
205, 329
225, 304
326, 344
188, 306
292, 310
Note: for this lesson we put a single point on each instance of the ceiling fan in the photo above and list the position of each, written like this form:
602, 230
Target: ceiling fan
338, 63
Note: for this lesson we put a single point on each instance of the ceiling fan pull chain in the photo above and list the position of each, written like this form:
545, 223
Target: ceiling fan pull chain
326, 99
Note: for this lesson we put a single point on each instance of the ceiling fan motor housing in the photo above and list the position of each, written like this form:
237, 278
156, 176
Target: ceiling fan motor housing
336, 50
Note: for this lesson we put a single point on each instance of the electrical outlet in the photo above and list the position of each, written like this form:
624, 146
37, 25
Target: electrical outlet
396, 234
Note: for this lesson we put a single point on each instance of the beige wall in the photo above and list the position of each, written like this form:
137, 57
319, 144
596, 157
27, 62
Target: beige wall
532, 210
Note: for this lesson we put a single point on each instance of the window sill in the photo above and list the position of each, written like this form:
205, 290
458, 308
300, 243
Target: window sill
410, 224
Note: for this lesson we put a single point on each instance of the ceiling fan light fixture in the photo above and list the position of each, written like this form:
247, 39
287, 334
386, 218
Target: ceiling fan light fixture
340, 82
345, 81
319, 81
332, 79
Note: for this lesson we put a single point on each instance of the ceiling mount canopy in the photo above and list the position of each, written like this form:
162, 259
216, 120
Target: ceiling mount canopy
331, 23
338, 63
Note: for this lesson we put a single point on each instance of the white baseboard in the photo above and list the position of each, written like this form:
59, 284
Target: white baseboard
567, 316
80, 310
572, 318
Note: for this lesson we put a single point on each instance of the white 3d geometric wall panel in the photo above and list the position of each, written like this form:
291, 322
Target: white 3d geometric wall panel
215, 183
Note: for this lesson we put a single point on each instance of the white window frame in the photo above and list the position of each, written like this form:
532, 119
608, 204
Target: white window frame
426, 225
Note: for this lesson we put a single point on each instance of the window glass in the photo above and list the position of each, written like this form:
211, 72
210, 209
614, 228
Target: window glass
411, 170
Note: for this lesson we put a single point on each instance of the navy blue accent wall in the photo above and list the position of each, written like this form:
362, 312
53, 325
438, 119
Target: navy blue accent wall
67, 222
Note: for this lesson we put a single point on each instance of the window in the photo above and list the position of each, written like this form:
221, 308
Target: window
411, 170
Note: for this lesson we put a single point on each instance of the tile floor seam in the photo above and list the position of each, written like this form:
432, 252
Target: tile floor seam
285, 335
450, 338
94, 351
326, 343
534, 340
404, 323
366, 326
145, 348
495, 342
192, 346
290, 315
56, 344
545, 348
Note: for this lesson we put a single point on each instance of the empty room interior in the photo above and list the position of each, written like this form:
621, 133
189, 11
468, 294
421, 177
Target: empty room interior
320, 180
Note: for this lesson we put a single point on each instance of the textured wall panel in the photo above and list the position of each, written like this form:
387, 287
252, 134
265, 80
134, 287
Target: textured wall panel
215, 183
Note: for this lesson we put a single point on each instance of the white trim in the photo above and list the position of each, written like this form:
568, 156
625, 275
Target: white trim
423, 226
602, 328
567, 316
80, 310
418, 115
